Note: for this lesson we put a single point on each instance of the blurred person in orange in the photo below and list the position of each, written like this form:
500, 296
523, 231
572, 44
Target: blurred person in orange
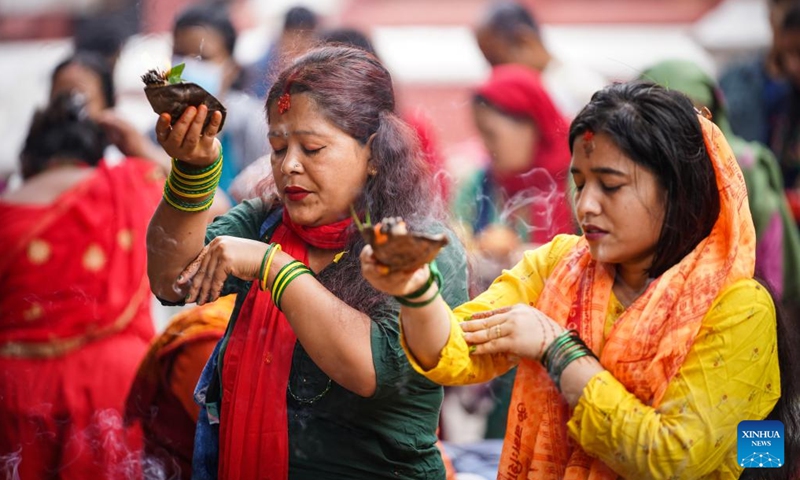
76, 299
520, 196
162, 396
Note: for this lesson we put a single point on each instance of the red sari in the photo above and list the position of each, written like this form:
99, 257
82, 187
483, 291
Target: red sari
75, 303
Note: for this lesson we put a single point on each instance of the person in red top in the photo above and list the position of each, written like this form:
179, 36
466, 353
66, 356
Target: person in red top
75, 299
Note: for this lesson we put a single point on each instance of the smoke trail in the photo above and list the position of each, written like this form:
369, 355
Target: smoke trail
9, 465
542, 197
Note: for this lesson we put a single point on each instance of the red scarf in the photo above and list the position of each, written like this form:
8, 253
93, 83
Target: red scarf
254, 436
329, 237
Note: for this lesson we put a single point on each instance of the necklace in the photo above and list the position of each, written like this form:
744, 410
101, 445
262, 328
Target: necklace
626, 294
309, 401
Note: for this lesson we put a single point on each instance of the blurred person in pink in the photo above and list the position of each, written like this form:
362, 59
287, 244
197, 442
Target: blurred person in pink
75, 299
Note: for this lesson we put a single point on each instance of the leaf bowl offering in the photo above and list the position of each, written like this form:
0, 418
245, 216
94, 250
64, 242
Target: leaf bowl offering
398, 248
168, 93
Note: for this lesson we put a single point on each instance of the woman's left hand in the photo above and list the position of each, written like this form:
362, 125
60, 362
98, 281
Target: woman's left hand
520, 331
203, 279
392, 282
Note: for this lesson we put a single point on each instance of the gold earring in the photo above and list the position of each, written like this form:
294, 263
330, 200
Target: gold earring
372, 171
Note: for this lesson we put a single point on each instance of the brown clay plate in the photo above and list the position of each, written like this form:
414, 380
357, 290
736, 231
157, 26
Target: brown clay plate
175, 98
394, 246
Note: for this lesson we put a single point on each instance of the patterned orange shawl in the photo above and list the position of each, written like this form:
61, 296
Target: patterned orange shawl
646, 346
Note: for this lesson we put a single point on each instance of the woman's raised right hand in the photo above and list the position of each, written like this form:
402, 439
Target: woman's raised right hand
186, 140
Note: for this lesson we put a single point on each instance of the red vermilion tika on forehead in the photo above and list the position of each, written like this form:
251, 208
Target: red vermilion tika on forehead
588, 142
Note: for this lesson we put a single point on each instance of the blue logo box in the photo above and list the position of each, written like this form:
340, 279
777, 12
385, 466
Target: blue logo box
760, 444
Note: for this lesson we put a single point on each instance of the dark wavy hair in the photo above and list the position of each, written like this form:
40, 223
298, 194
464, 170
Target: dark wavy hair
98, 65
507, 18
216, 17
62, 131
354, 91
658, 129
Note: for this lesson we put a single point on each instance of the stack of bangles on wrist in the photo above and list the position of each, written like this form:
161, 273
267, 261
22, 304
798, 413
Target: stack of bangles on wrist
565, 349
410, 300
285, 275
187, 182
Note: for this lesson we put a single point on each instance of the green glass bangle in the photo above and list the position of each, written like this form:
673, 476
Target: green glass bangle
564, 346
179, 204
434, 276
264, 264
568, 348
302, 271
194, 180
277, 290
281, 277
554, 346
186, 193
194, 186
191, 171
404, 302
282, 272
556, 377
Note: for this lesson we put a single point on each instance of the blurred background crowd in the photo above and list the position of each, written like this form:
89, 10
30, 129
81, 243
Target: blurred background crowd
429, 46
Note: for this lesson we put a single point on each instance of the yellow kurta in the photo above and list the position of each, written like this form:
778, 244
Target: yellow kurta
731, 374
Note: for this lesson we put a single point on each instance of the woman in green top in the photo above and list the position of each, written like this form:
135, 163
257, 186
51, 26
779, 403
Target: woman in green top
777, 237
310, 380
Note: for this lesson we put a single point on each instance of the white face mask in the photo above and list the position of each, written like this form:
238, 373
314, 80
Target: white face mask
206, 74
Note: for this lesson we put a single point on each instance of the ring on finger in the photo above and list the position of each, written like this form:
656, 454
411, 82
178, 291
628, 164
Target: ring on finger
497, 332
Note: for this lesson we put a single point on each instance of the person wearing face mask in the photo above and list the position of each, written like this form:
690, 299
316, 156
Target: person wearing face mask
204, 40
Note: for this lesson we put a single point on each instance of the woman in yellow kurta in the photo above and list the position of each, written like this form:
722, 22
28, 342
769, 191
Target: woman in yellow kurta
642, 343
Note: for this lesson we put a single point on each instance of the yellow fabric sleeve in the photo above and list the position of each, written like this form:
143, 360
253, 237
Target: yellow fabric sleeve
521, 284
730, 374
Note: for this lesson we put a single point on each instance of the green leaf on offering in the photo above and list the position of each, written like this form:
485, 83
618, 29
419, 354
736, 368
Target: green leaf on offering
174, 74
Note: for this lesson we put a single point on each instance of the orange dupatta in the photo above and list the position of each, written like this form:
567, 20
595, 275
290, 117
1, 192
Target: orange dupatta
650, 340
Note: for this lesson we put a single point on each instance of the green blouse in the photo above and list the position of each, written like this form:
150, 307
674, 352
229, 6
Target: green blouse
334, 433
